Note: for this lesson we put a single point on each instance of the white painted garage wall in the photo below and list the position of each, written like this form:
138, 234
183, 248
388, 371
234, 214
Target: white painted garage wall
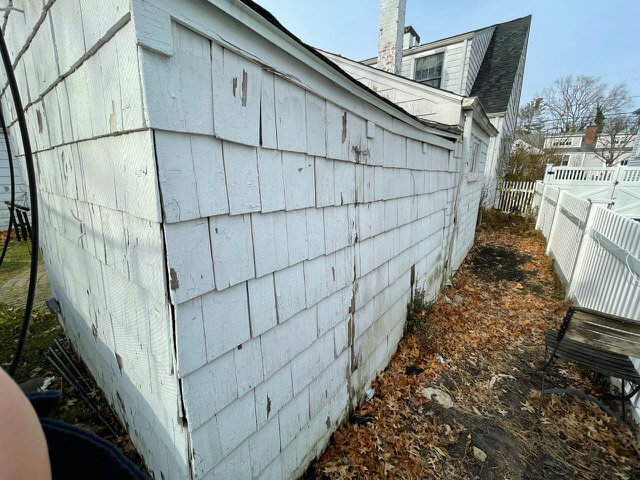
232, 229
5, 185
295, 216
102, 242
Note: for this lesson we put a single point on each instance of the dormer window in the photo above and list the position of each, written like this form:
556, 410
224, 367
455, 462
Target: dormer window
429, 69
564, 142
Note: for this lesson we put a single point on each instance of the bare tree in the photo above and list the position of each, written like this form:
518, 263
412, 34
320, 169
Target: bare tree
617, 137
571, 104
530, 124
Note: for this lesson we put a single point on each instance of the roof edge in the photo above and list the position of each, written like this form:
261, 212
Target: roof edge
447, 40
379, 101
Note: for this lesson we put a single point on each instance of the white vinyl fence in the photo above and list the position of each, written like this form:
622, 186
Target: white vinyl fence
620, 184
515, 197
596, 253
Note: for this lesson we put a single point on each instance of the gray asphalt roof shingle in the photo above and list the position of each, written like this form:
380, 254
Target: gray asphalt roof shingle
497, 73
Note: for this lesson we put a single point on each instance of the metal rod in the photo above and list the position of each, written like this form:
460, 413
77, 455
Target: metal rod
57, 363
71, 363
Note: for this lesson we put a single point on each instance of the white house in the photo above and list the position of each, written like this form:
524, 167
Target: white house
586, 149
487, 63
231, 224
5, 185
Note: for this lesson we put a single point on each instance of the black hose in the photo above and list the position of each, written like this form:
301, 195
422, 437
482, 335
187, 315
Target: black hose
33, 198
13, 188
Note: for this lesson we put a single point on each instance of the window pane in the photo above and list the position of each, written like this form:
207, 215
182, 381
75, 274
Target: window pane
429, 69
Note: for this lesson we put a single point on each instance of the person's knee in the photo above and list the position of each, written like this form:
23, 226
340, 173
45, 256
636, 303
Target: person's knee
23, 447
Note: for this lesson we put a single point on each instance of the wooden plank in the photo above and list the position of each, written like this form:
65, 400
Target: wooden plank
605, 341
592, 316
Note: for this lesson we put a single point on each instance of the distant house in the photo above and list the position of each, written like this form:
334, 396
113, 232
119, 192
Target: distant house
634, 159
520, 144
487, 63
5, 185
587, 149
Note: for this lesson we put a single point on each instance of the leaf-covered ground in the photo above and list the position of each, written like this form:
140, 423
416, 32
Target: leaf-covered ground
492, 345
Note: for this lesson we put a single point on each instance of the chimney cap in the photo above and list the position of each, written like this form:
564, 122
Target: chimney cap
410, 29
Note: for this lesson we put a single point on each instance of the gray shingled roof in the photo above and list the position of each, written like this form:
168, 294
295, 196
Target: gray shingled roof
497, 73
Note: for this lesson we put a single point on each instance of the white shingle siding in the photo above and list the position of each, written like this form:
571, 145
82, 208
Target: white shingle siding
102, 239
452, 68
242, 261
299, 274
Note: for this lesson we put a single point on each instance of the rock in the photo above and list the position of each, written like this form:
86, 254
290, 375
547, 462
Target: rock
447, 299
368, 395
457, 299
437, 395
479, 454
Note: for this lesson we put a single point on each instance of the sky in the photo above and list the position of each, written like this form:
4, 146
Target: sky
598, 38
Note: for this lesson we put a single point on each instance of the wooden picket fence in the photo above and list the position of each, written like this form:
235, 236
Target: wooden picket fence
515, 197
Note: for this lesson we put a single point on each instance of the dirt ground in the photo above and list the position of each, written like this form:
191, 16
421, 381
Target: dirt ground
492, 346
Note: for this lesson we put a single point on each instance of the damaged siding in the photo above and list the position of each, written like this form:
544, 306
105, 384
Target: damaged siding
290, 295
101, 234
231, 234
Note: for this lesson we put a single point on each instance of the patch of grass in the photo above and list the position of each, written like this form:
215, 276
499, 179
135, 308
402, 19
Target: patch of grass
43, 329
17, 259
419, 320
44, 325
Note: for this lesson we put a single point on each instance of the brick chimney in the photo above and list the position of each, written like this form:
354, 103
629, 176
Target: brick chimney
591, 135
411, 38
392, 13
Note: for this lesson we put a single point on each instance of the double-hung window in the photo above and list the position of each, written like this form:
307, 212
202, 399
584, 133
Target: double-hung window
429, 69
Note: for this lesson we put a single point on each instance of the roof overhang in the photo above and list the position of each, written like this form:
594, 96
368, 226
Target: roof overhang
480, 116
466, 103
259, 20
428, 46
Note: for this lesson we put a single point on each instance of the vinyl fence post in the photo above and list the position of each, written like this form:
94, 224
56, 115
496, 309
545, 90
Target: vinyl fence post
540, 209
554, 221
580, 260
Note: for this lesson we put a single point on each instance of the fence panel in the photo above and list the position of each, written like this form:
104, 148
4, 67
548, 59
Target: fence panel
515, 197
547, 209
621, 184
566, 232
608, 278
627, 192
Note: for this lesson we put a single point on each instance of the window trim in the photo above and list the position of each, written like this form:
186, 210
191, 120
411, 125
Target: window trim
415, 69
475, 153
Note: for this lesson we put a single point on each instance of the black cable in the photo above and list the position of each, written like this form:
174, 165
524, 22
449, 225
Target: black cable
33, 198
13, 187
